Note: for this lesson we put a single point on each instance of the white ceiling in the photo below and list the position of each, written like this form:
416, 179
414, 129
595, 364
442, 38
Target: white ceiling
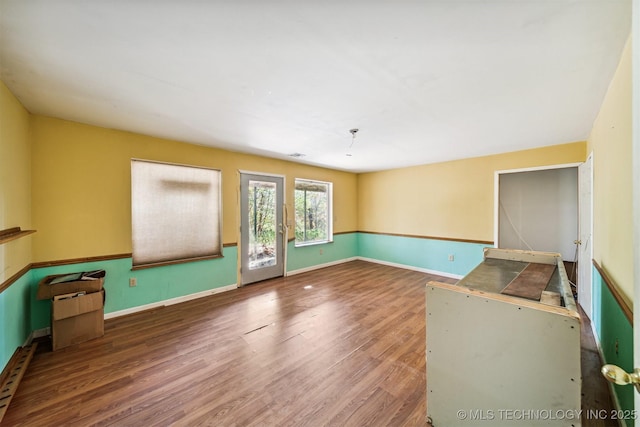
424, 81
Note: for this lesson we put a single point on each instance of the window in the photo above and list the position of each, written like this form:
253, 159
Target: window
313, 212
175, 213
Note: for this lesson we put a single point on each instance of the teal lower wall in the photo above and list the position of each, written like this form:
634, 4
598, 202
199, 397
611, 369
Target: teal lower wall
21, 313
153, 284
15, 310
344, 246
430, 254
615, 334
173, 281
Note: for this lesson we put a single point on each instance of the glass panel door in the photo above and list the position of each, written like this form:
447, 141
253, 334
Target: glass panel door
261, 227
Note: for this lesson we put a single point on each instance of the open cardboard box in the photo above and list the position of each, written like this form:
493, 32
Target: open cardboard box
76, 317
47, 290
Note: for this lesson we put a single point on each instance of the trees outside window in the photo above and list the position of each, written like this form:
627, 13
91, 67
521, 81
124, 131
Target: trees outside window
313, 212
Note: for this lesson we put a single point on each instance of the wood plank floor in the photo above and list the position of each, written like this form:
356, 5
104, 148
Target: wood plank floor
340, 346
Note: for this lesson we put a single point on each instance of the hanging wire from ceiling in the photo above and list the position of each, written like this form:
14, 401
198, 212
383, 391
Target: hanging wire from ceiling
353, 136
353, 140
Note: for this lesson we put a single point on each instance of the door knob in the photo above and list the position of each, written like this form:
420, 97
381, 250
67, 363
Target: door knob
619, 376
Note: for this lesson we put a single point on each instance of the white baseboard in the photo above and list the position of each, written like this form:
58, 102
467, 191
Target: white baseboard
410, 267
43, 332
167, 302
47, 331
319, 266
377, 261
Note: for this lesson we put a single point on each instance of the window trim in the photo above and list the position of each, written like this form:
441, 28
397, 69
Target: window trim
329, 239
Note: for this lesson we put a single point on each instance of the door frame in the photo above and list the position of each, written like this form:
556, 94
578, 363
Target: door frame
496, 191
496, 195
282, 208
635, 137
585, 269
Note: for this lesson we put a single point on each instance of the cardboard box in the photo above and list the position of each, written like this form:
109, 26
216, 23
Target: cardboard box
76, 318
46, 290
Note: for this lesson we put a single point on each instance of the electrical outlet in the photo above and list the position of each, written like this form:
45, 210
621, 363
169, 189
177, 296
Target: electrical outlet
451, 257
133, 282
321, 251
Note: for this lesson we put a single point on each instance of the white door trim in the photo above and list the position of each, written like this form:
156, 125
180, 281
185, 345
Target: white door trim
496, 190
585, 282
635, 137
247, 275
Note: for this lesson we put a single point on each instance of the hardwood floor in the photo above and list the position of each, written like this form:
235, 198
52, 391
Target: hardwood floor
595, 389
338, 346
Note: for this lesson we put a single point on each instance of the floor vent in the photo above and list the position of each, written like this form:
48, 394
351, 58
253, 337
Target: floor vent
12, 375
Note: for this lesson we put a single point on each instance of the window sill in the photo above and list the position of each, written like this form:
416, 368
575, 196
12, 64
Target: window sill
173, 262
322, 242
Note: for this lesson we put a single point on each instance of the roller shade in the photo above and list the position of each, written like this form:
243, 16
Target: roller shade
175, 212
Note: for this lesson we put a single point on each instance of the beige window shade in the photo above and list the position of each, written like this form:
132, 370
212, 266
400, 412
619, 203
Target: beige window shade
175, 212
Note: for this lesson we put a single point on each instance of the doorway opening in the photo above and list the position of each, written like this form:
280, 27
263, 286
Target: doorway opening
548, 209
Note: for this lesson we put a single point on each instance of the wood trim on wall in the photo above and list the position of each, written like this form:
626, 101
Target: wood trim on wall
448, 239
622, 302
60, 262
79, 260
96, 258
55, 263
11, 280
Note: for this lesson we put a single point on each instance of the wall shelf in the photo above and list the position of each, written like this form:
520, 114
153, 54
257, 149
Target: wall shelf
13, 233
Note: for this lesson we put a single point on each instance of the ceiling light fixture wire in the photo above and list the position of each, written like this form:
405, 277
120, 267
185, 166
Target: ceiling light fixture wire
353, 136
353, 140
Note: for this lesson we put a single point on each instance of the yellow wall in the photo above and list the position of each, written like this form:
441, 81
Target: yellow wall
610, 142
15, 182
82, 192
452, 199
